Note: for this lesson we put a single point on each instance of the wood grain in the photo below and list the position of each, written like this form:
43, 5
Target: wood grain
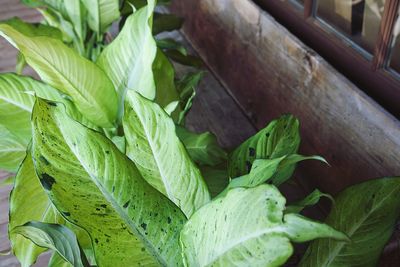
270, 72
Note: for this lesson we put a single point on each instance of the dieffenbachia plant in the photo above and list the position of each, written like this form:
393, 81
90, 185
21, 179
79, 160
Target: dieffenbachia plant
85, 25
118, 181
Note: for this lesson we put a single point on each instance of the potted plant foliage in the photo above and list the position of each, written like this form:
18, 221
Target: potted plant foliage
108, 175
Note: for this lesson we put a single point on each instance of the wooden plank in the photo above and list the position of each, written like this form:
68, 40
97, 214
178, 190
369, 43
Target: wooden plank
213, 109
270, 72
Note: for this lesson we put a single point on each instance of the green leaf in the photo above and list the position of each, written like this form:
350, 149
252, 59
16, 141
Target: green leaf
21, 63
130, 6
5, 253
24, 209
128, 60
67, 12
226, 232
186, 88
164, 75
216, 178
76, 15
367, 213
101, 14
119, 142
274, 171
166, 22
127, 9
12, 150
33, 29
53, 236
302, 229
99, 189
280, 137
16, 104
287, 166
171, 107
171, 44
56, 20
310, 200
7, 181
203, 148
160, 156
31, 3
57, 261
187, 60
62, 68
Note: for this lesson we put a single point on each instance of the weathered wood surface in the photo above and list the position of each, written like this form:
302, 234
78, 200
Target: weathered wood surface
270, 72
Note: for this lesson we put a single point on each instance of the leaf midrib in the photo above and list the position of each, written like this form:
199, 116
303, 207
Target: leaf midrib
164, 178
55, 69
351, 232
119, 210
270, 230
15, 103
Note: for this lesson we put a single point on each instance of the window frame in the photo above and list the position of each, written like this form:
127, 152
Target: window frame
370, 75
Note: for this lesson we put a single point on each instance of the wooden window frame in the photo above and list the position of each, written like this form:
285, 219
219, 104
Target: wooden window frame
369, 74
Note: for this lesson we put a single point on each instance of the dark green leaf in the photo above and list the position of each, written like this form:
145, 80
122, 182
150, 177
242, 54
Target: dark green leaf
166, 22
164, 75
171, 44
280, 138
53, 236
33, 29
216, 178
188, 60
269, 170
203, 148
24, 209
367, 213
310, 200
186, 89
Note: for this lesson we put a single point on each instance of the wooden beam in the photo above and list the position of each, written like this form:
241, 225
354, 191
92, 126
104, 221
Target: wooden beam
379, 84
270, 72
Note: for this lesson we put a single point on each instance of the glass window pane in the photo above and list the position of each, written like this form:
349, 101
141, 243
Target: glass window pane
395, 56
359, 20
